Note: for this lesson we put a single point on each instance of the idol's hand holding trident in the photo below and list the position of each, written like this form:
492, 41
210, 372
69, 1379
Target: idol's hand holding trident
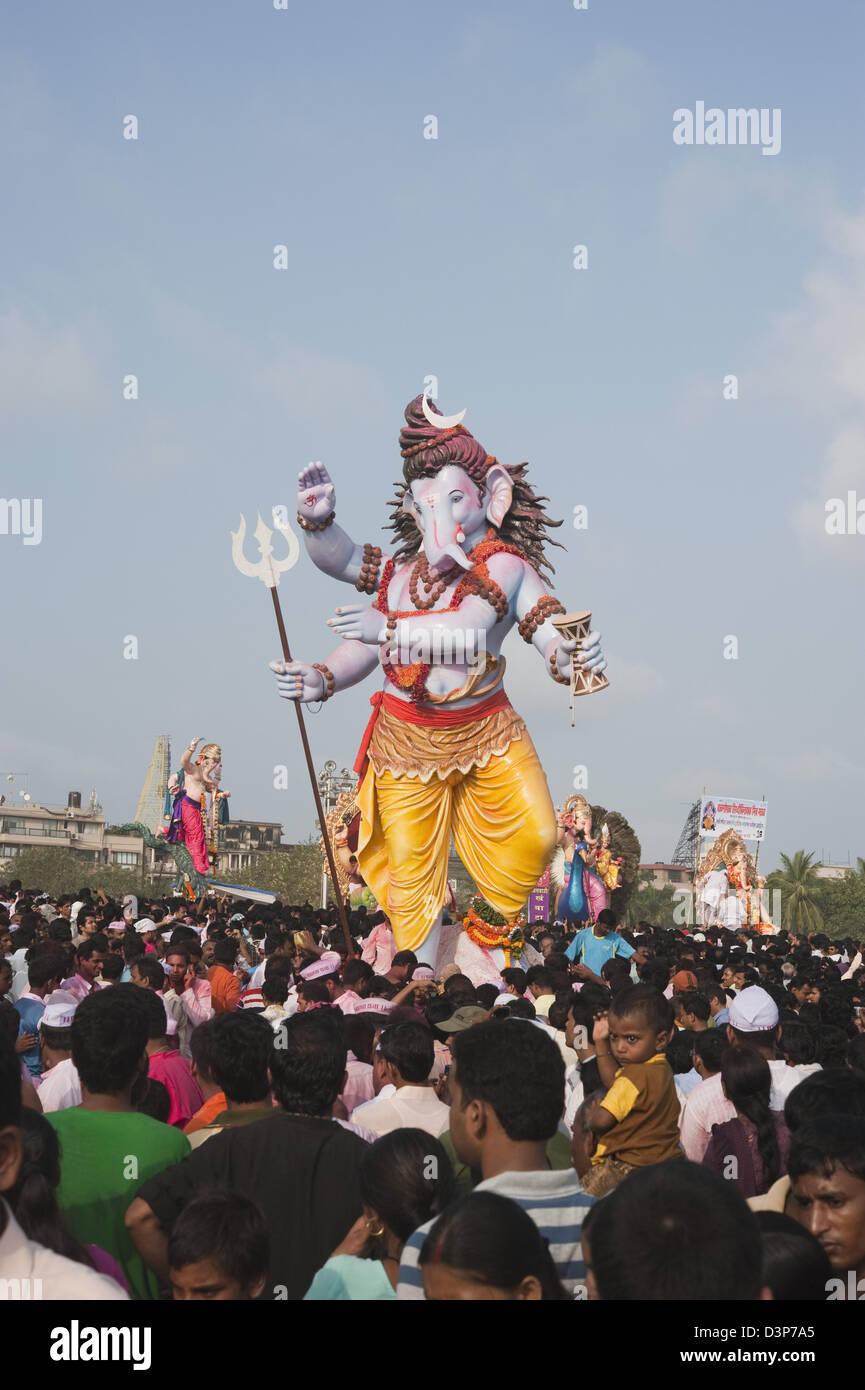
268, 570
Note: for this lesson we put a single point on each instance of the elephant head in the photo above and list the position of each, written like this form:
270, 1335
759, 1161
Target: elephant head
453, 491
453, 513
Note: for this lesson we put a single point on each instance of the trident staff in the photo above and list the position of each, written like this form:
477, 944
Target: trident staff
268, 570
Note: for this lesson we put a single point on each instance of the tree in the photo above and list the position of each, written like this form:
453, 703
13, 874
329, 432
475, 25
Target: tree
651, 904
59, 870
800, 890
293, 873
842, 903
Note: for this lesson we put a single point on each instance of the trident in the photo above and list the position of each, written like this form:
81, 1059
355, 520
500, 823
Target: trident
268, 570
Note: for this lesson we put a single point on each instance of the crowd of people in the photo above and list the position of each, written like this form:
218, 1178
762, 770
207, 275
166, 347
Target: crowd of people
219, 1100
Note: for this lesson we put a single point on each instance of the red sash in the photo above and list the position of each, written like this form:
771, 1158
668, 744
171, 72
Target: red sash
411, 713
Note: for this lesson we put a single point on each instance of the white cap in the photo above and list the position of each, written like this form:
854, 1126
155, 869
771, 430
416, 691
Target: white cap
327, 964
59, 1010
753, 1011
145, 924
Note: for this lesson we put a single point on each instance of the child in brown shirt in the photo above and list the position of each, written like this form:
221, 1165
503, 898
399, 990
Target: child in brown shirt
636, 1123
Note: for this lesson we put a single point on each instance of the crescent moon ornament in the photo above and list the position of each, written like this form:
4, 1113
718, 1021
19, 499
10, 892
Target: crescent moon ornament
441, 422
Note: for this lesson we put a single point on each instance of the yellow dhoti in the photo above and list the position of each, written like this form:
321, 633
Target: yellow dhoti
480, 780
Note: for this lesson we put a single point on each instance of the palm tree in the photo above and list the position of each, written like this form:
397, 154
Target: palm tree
799, 885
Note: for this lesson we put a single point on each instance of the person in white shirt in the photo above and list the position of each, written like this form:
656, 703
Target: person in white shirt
712, 893
60, 1087
753, 1023
407, 1052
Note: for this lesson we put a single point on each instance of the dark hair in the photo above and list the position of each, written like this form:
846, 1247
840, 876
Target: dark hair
400, 1183
150, 969
132, 947
798, 1043
747, 1083
710, 1046
486, 995
678, 1051
557, 1016
795, 1265
837, 1091
154, 1011
675, 1232
226, 1228
539, 975
494, 1242
58, 1039
607, 917
274, 989
690, 1002
356, 972
515, 977
201, 1047
43, 969
151, 1097
832, 1142
112, 967
517, 1070
359, 1032
656, 972
91, 945
33, 1196
10, 1079
404, 958
278, 968
856, 1054
647, 1003
409, 1048
177, 948
308, 1064
224, 951
109, 1035
518, 1008
240, 1048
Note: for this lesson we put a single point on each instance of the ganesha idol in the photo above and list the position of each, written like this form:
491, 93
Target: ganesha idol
445, 753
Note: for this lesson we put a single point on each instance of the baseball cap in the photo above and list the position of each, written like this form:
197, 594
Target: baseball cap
684, 979
461, 1019
753, 1011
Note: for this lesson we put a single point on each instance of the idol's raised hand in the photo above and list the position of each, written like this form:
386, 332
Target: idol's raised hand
316, 495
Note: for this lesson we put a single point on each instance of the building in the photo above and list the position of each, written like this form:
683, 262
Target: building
83, 832
241, 839
665, 876
833, 870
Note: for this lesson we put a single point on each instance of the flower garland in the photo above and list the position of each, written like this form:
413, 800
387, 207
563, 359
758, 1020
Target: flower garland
491, 931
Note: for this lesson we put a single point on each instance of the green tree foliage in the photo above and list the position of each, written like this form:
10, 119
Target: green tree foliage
55, 870
650, 904
624, 844
801, 892
842, 904
293, 873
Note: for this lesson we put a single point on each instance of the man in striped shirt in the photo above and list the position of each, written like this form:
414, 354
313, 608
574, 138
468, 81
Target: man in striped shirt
506, 1085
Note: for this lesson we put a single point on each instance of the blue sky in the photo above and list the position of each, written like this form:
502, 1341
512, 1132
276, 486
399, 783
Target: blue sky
452, 257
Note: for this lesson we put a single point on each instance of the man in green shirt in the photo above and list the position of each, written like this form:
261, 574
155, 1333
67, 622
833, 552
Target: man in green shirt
107, 1149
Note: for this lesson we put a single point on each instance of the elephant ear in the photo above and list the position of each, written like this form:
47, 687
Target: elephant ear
500, 487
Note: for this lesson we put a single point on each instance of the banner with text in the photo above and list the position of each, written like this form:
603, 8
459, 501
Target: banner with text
719, 813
